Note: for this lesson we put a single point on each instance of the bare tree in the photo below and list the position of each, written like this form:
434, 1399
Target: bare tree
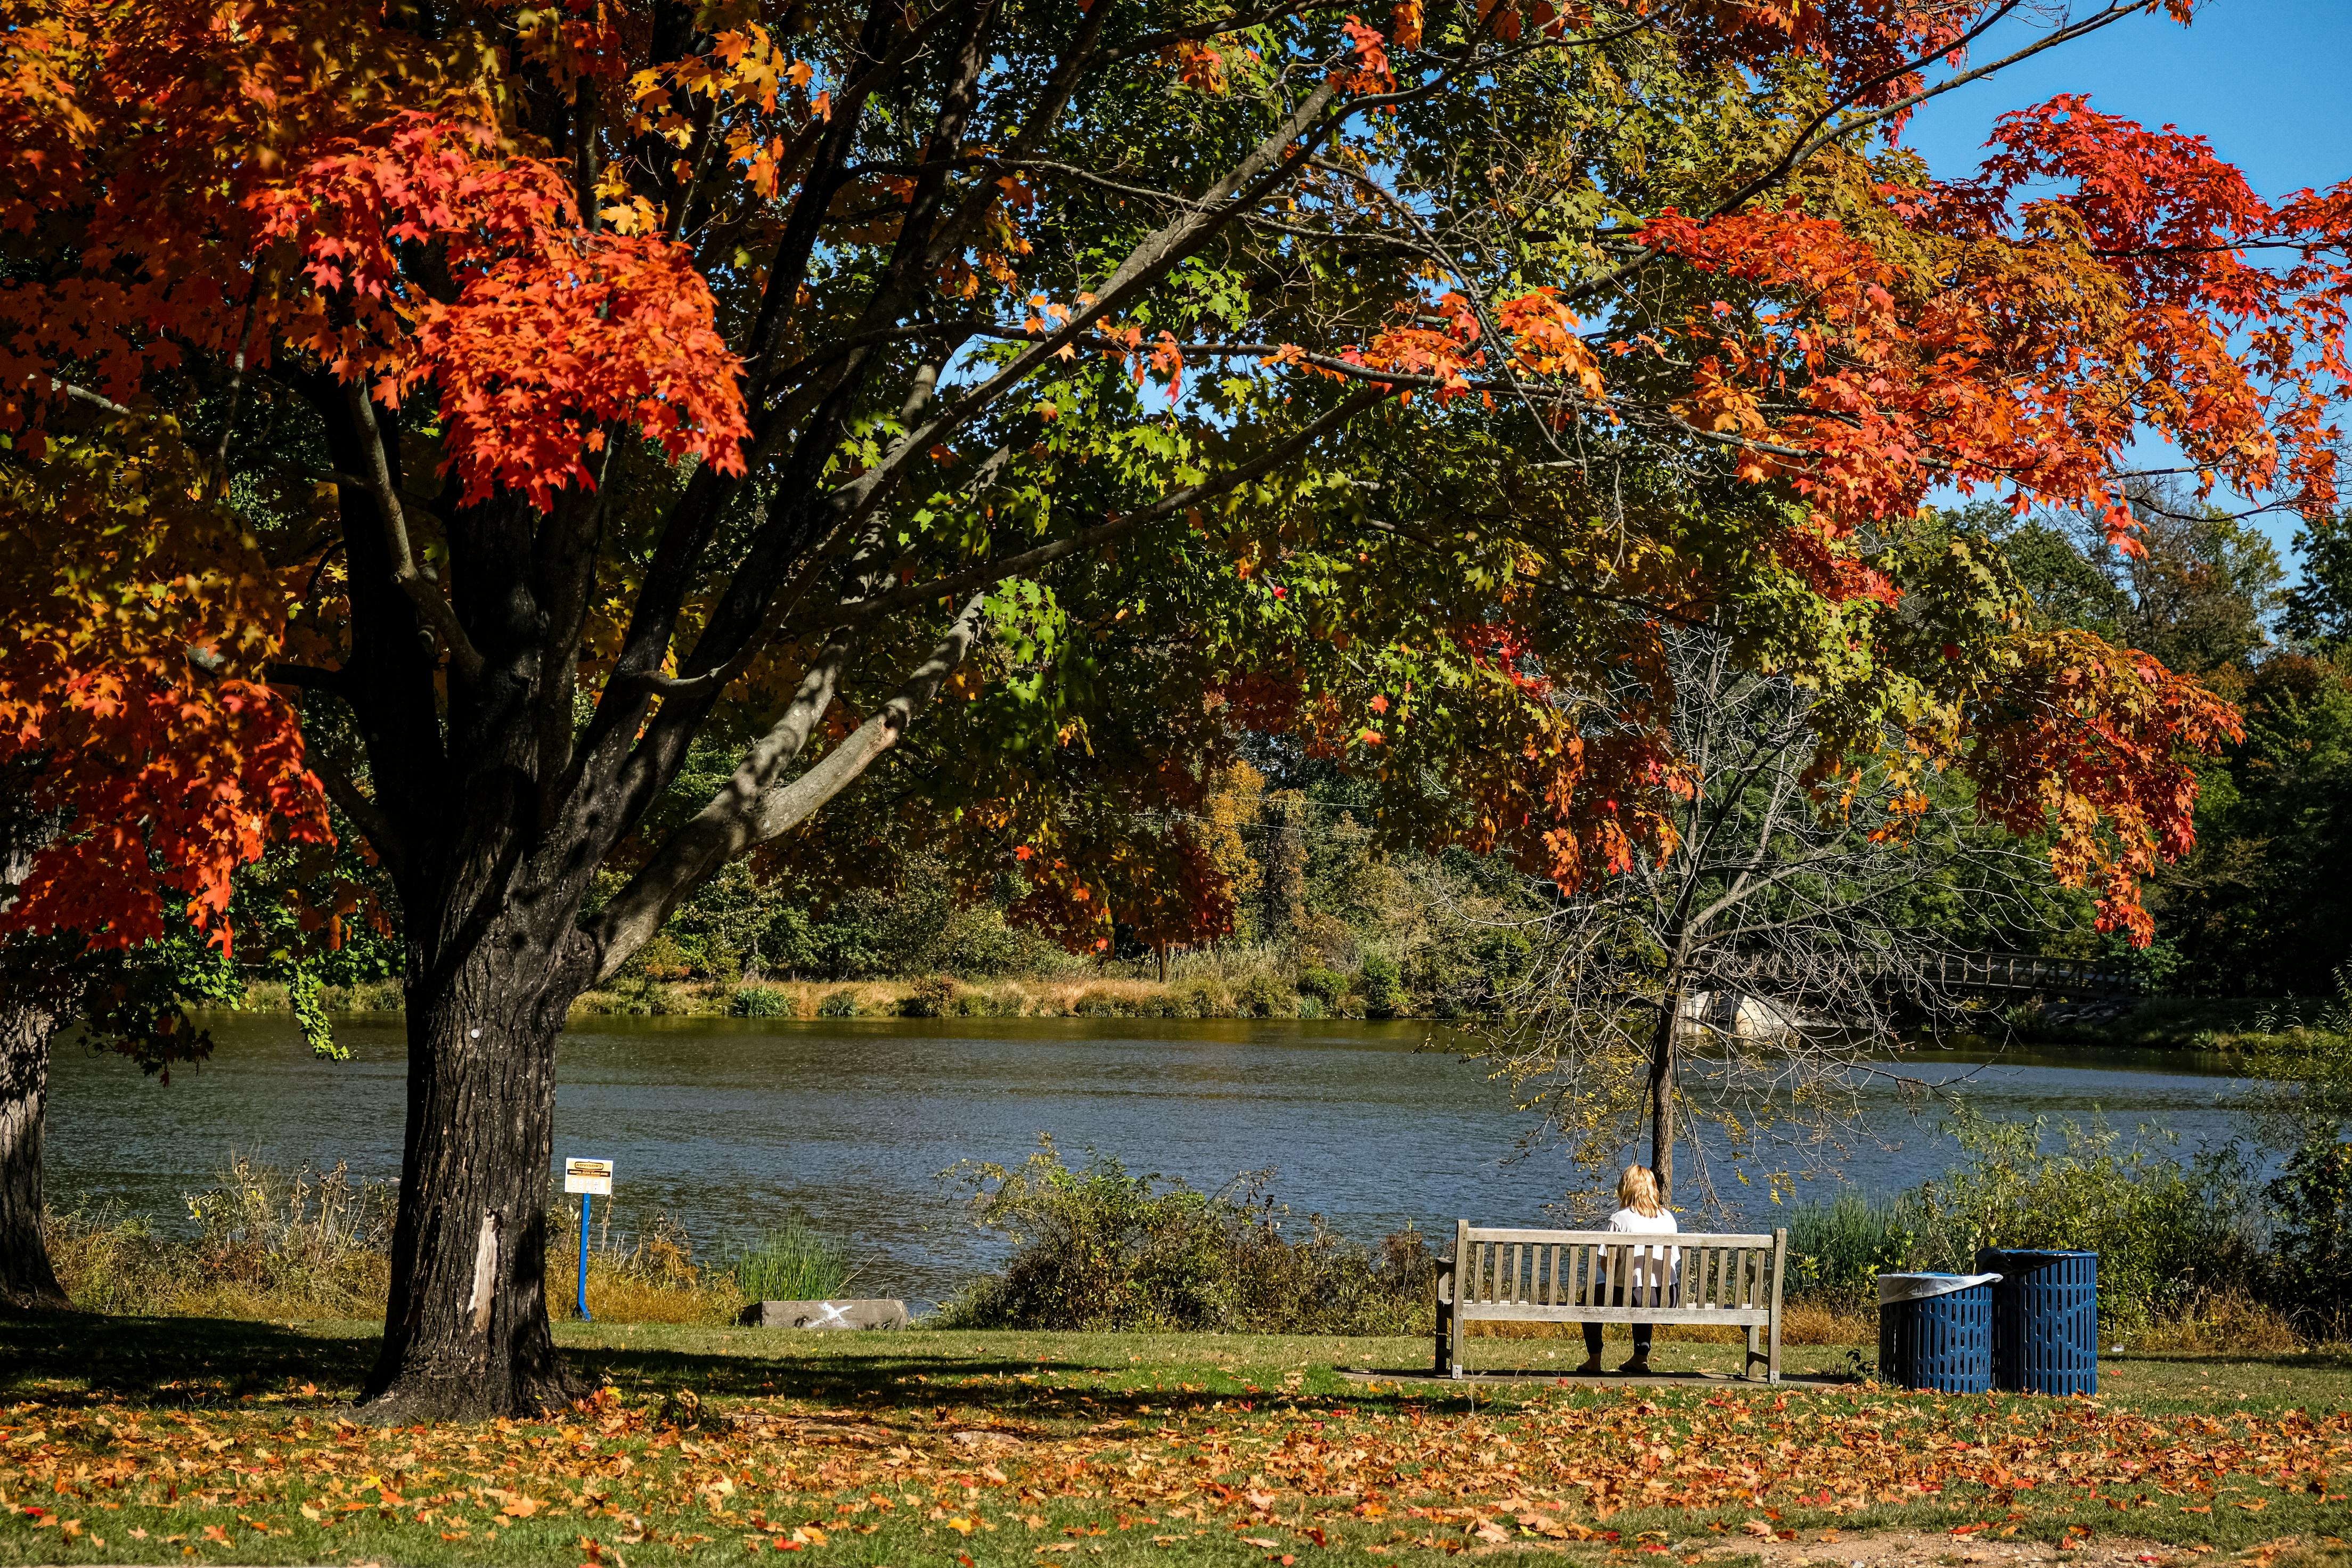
1816, 914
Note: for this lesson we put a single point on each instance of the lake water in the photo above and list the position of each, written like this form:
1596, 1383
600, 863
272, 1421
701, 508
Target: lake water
730, 1125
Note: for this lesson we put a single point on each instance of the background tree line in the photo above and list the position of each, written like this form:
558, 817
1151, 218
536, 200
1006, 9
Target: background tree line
2262, 905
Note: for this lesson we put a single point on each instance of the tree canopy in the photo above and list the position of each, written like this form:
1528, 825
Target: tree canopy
1018, 402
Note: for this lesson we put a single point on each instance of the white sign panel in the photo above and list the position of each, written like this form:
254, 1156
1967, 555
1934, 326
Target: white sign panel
588, 1176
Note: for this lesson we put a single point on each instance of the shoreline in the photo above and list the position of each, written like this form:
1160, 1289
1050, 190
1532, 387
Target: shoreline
2219, 1027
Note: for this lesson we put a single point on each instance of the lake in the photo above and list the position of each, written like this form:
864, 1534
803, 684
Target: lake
730, 1125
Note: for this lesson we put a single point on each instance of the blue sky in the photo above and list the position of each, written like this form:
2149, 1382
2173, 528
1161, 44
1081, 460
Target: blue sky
2268, 82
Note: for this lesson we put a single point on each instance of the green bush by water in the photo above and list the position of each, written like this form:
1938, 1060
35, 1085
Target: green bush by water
2172, 1236
1098, 1248
792, 1263
2312, 1201
761, 1002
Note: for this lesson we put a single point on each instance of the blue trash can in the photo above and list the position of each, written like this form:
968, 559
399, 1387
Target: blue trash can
2045, 1320
1934, 1332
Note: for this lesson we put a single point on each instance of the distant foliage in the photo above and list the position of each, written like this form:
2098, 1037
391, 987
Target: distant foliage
1098, 1248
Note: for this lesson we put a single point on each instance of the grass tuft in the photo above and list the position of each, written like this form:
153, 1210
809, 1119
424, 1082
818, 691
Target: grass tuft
791, 1263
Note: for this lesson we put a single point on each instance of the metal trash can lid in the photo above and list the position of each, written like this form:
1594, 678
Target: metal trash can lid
1893, 1288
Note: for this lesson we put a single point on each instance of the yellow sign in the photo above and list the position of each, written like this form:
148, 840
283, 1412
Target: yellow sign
588, 1176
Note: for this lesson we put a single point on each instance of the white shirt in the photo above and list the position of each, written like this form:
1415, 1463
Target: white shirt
1659, 1223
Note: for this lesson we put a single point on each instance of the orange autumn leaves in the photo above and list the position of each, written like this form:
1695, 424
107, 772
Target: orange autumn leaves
131, 686
276, 225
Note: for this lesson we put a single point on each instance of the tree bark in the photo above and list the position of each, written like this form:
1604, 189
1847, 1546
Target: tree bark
30, 991
27, 1282
1662, 1093
466, 1331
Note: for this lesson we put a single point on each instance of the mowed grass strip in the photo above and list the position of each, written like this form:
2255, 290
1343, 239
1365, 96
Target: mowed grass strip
179, 1440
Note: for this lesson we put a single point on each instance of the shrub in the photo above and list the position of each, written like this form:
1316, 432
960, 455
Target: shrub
317, 1244
1101, 1005
314, 1244
2172, 1238
2313, 1241
761, 1002
652, 1280
1312, 1006
1261, 996
841, 1004
1098, 1248
791, 1263
1383, 991
1202, 999
2168, 1234
1327, 986
931, 998
999, 1003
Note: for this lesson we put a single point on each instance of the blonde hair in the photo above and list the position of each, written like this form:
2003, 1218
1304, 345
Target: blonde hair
1637, 1190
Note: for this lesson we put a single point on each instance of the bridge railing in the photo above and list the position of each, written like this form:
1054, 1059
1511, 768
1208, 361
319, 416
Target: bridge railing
1985, 973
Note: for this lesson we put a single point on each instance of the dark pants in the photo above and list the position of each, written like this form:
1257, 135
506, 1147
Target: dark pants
1643, 1296
1641, 1340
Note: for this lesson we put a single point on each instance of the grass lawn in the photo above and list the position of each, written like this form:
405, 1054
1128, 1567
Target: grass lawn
149, 1441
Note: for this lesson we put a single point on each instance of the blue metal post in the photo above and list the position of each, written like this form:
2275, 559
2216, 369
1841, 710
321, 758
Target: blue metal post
586, 1201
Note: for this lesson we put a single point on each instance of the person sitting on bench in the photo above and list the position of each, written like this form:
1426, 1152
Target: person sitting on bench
1639, 1211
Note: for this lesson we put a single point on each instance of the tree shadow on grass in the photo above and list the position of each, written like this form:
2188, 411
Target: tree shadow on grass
223, 1364
176, 1362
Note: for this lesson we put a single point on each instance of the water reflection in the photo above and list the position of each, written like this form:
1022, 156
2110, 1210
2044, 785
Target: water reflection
729, 1123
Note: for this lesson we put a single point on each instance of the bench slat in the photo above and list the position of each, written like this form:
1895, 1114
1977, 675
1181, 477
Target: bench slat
1499, 1311
1608, 1237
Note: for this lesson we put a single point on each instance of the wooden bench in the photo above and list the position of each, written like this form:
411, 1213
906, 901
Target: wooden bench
1564, 1277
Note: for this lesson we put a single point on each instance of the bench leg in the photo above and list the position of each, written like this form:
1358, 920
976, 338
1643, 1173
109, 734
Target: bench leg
1754, 1355
1774, 1373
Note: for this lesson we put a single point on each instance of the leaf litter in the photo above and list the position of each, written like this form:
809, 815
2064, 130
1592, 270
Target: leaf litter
1748, 1475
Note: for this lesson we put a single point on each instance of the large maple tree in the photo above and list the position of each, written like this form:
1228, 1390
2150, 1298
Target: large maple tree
918, 386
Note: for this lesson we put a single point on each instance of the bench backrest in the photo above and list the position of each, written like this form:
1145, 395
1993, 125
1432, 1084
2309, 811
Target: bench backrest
1577, 1267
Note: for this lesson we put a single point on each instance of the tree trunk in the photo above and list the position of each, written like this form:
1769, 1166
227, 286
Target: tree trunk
28, 1282
1662, 1094
465, 1330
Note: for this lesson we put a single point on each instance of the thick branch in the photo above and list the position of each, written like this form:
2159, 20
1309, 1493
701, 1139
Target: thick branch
751, 808
363, 813
420, 589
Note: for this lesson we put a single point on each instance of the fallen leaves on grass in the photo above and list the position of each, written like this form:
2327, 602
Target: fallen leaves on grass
1398, 1475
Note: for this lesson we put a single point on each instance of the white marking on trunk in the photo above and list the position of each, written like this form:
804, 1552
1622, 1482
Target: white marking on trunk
486, 1275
